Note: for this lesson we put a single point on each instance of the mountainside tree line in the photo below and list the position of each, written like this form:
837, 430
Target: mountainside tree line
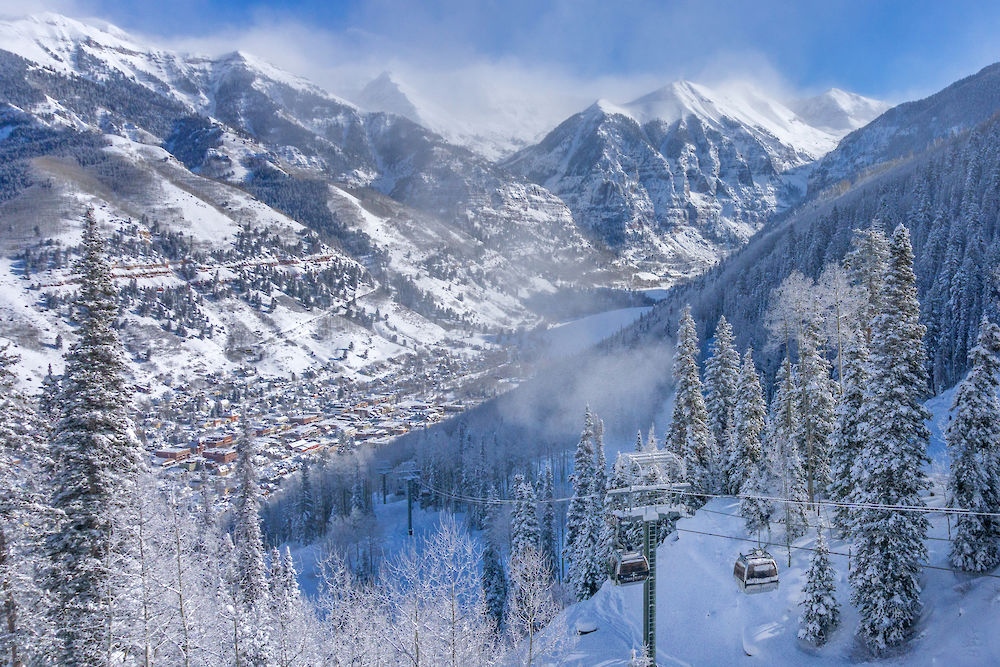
846, 424
948, 197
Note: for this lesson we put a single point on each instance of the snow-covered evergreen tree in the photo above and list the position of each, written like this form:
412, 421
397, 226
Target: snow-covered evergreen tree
581, 536
889, 470
866, 265
308, 512
248, 553
749, 423
97, 461
494, 585
721, 377
785, 463
816, 404
604, 530
973, 438
820, 611
846, 439
48, 398
524, 516
547, 517
690, 435
23, 521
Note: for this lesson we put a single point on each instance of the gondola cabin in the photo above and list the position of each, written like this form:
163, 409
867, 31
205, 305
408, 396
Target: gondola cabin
756, 572
629, 567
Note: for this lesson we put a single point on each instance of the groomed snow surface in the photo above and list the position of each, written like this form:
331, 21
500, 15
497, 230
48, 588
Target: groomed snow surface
703, 618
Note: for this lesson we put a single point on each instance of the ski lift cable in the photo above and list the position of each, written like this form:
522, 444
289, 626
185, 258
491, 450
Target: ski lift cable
822, 503
504, 501
834, 553
831, 503
825, 526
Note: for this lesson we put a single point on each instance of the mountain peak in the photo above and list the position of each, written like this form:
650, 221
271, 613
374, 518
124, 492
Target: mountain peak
386, 93
838, 111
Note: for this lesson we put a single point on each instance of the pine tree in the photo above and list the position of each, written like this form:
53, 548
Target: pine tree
889, 468
247, 539
749, 419
308, 513
651, 444
604, 538
547, 517
815, 398
755, 509
638, 441
973, 438
524, 516
580, 539
248, 553
866, 265
820, 611
690, 435
97, 460
722, 371
785, 463
494, 586
846, 439
23, 520
48, 398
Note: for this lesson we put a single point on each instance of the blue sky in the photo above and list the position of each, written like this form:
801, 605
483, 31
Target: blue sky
884, 49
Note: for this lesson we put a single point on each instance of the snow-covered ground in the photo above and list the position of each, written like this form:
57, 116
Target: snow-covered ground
703, 618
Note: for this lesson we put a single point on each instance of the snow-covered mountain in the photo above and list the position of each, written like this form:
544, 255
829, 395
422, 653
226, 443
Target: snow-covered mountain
385, 93
678, 177
488, 121
168, 144
910, 128
837, 111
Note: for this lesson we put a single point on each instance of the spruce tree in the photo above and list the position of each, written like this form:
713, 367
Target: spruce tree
846, 439
580, 539
247, 539
547, 517
749, 422
690, 436
889, 469
722, 371
816, 404
524, 516
251, 586
48, 398
973, 438
23, 520
866, 266
97, 461
785, 463
820, 611
494, 586
755, 509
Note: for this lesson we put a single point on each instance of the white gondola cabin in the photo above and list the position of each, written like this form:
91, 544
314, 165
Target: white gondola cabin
756, 572
629, 567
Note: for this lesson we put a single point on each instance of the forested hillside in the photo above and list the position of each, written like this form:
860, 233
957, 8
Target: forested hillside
948, 197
